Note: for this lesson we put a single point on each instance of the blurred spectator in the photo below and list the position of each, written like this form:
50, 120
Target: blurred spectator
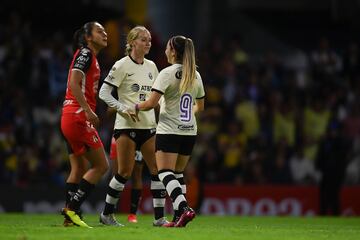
302, 169
246, 112
232, 146
278, 169
316, 119
326, 64
331, 161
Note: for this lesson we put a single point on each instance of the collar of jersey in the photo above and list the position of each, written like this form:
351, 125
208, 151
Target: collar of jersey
135, 61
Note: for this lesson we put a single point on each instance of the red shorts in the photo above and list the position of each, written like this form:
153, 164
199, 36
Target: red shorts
79, 133
113, 149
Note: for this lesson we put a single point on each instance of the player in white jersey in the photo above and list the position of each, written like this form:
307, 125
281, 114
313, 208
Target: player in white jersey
183, 96
132, 77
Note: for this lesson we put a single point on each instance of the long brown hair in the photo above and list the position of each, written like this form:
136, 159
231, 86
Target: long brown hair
185, 54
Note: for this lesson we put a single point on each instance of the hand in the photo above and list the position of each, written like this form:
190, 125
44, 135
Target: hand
131, 112
92, 117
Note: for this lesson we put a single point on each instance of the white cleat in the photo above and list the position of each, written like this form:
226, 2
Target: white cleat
109, 220
160, 222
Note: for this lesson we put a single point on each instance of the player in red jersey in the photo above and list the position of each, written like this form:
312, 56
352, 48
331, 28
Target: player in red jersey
78, 120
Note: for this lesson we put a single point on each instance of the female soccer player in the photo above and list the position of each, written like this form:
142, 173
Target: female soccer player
183, 95
78, 120
136, 180
132, 77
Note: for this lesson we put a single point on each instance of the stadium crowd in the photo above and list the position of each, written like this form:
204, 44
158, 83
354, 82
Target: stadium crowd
269, 118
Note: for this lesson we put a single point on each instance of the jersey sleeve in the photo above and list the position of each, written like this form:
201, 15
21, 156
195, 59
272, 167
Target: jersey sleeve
116, 75
161, 82
82, 60
201, 91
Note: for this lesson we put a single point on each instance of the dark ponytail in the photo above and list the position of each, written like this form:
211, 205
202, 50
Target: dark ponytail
79, 39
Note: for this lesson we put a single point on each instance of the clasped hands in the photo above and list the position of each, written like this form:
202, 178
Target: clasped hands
132, 112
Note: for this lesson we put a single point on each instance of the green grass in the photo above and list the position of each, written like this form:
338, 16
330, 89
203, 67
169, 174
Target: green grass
48, 226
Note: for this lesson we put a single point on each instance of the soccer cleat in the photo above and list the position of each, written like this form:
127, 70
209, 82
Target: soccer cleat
160, 222
185, 218
68, 223
169, 224
73, 217
132, 218
109, 220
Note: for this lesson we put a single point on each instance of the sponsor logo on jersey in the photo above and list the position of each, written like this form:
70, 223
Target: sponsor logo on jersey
95, 139
142, 96
130, 74
186, 127
150, 76
135, 87
146, 88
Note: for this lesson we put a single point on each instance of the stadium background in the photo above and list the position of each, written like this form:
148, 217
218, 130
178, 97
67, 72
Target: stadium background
281, 81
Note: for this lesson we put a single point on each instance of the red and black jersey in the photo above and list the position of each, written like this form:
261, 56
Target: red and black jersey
85, 61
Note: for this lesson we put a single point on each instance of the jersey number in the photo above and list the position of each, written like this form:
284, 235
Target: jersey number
185, 107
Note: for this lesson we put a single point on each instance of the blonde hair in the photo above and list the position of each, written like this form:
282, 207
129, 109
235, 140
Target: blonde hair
132, 35
185, 53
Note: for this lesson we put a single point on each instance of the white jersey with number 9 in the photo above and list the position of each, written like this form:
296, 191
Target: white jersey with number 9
176, 111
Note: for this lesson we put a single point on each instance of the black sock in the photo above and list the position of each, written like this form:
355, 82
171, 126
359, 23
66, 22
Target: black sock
176, 215
173, 189
135, 199
81, 194
116, 186
158, 192
70, 190
180, 177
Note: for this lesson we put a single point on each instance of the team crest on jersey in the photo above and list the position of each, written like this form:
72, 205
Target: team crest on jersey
135, 87
132, 134
178, 74
150, 76
95, 139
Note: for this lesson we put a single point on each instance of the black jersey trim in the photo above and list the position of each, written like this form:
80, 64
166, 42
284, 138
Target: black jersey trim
83, 59
201, 97
135, 61
110, 84
158, 91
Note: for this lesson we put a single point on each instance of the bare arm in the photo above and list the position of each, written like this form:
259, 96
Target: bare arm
199, 106
74, 84
151, 103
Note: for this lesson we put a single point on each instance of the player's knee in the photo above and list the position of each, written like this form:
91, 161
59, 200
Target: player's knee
103, 168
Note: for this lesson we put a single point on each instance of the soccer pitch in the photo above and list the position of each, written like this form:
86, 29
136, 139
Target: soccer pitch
49, 226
